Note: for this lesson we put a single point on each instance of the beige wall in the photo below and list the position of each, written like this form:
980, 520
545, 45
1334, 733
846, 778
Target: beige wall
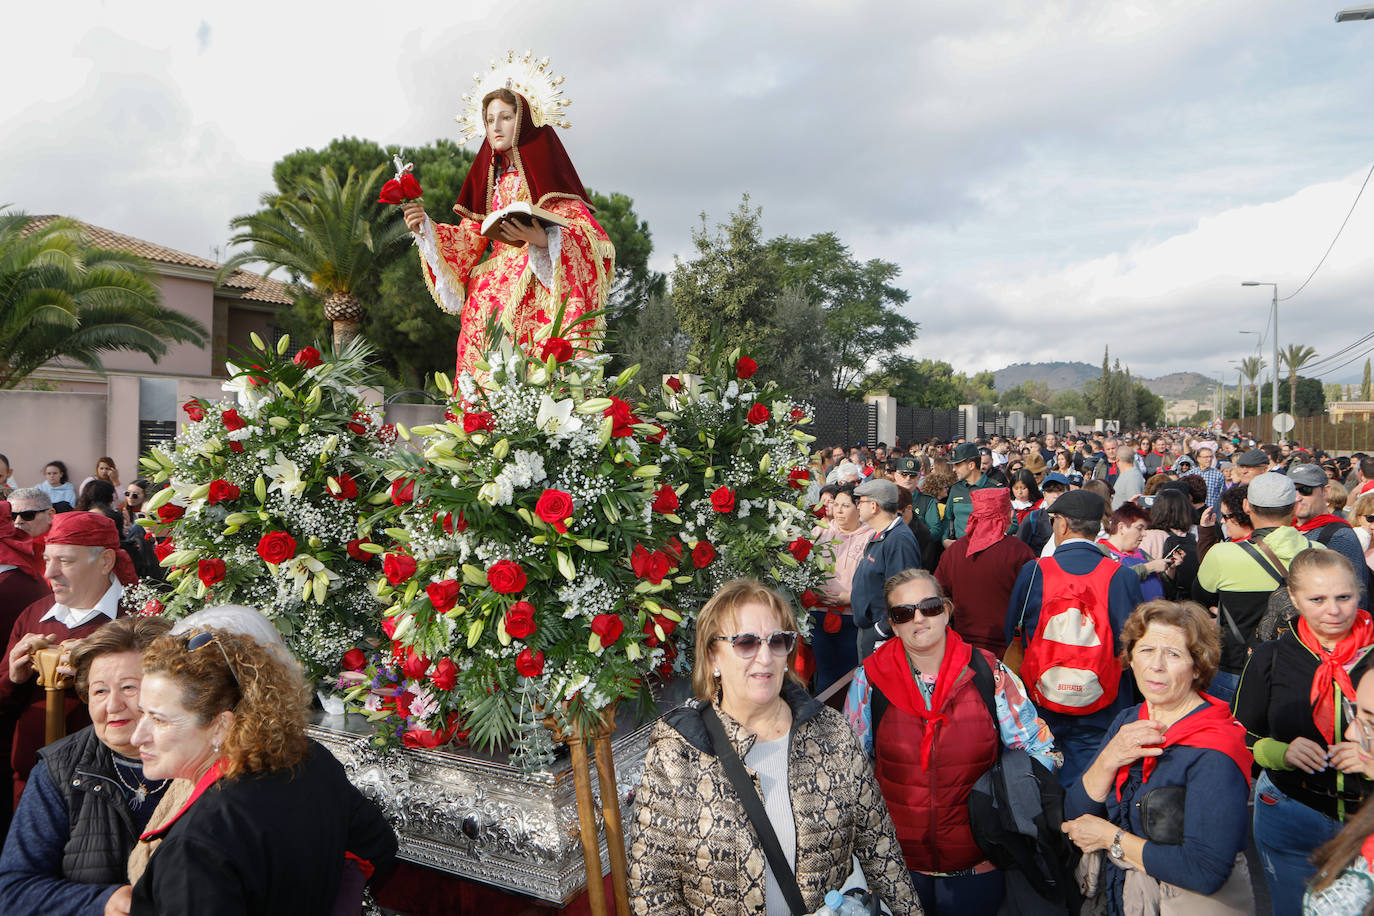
193, 297
41, 426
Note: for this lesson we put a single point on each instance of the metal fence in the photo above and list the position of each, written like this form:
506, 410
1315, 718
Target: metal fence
919, 424
1312, 432
844, 422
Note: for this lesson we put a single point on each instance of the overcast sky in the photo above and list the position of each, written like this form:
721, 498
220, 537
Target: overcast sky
1050, 176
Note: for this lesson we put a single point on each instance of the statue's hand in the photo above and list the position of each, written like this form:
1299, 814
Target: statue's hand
517, 233
414, 213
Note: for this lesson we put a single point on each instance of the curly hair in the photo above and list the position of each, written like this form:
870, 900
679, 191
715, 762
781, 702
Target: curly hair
937, 481
123, 634
269, 699
1199, 629
722, 608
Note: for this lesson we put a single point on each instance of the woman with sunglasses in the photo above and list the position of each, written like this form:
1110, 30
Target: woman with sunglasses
271, 815
692, 847
1291, 701
1362, 520
919, 715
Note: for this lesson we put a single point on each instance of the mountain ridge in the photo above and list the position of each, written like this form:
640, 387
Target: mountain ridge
1072, 376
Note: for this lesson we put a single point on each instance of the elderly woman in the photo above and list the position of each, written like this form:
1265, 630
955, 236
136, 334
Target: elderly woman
1290, 701
918, 712
1165, 799
1125, 531
87, 798
272, 815
834, 638
692, 847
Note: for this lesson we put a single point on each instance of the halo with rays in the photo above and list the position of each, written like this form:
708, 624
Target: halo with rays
524, 74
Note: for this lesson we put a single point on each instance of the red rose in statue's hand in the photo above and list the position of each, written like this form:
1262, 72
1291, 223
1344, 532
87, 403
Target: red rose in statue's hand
477, 421
194, 410
443, 595
758, 414
445, 674
702, 554
415, 665
520, 620
222, 491
746, 367
723, 499
307, 358
398, 567
529, 664
355, 550
554, 508
348, 487
665, 500
402, 491
354, 660
409, 186
506, 577
798, 478
558, 348
608, 627
210, 571
232, 420
277, 547
801, 549
674, 384
170, 512
391, 193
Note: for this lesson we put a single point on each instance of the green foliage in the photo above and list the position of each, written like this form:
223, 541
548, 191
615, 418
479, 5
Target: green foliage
924, 383
1149, 407
1201, 418
656, 343
1295, 356
62, 297
1117, 396
1366, 388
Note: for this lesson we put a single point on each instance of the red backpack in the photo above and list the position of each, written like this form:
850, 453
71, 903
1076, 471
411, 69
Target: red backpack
1070, 665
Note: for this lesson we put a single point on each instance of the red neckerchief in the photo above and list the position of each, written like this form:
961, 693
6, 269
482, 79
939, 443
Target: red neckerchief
889, 670
205, 782
1320, 521
1331, 671
1213, 728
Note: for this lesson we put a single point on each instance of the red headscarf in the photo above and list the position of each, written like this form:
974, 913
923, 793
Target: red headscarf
1331, 669
537, 155
988, 523
889, 670
16, 547
1213, 728
91, 529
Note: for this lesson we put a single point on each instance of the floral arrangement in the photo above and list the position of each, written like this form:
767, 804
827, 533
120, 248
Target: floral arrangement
265, 491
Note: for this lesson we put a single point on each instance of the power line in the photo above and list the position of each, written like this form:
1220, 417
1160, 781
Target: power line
1341, 352
1333, 241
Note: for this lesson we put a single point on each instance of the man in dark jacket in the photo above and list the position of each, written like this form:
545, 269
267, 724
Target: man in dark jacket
892, 548
966, 462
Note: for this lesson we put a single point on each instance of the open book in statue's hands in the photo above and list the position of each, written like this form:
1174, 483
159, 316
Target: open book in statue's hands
522, 213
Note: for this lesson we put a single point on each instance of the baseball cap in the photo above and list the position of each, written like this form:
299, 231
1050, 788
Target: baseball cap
1309, 475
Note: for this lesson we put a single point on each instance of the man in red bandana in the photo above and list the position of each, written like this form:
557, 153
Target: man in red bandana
979, 570
21, 584
88, 573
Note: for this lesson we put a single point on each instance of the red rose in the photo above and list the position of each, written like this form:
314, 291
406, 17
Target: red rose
553, 508
415, 665
277, 547
506, 577
348, 487
529, 664
798, 478
622, 417
307, 358
520, 620
409, 186
236, 447
151, 608
402, 491
462, 524
403, 701
222, 491
674, 384
819, 511
232, 420
389, 628
658, 436
673, 547
387, 433
449, 415
391, 193
801, 549
163, 549
210, 571
358, 423
652, 566
702, 554
398, 567
194, 410
445, 674
809, 599
665, 500
723, 499
443, 595
832, 622
758, 414
354, 660
746, 367
355, 550
558, 348
608, 627
477, 421
798, 413
651, 635
170, 512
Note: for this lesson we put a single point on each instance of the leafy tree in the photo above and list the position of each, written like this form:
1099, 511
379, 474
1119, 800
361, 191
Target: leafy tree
659, 345
62, 297
1030, 397
1367, 385
1068, 404
1149, 407
1251, 367
1295, 356
981, 389
1310, 399
923, 383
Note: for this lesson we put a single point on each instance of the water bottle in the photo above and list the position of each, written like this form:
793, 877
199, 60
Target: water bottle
844, 905
825, 910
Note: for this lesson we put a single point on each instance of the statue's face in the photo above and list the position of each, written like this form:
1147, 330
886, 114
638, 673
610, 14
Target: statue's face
501, 124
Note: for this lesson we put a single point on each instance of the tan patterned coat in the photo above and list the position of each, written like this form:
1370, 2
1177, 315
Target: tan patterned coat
693, 850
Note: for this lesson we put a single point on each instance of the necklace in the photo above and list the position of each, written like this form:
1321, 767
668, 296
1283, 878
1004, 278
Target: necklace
141, 789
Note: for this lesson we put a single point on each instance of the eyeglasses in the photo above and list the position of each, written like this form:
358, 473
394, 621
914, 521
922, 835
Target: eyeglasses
781, 642
202, 639
29, 515
933, 606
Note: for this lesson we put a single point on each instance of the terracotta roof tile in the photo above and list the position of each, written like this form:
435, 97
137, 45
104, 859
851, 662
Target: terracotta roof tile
258, 288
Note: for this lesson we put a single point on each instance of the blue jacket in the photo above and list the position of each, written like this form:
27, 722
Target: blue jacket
886, 554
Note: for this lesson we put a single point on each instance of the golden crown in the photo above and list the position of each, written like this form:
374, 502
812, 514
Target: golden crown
519, 73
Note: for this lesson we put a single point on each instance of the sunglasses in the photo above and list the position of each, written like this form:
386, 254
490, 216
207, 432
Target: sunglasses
133, 494
1226, 518
781, 642
202, 639
1304, 489
933, 606
1370, 519
29, 515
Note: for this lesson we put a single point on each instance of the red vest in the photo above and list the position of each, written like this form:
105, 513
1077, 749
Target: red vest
1070, 665
930, 808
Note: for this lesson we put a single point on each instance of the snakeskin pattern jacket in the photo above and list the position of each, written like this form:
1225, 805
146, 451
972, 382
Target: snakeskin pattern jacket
693, 850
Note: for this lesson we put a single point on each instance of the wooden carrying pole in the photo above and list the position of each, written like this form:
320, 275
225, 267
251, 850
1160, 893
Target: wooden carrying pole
610, 814
54, 692
615, 831
586, 822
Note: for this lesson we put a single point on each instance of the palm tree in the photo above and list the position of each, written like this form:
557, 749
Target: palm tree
1251, 367
334, 235
1295, 356
61, 297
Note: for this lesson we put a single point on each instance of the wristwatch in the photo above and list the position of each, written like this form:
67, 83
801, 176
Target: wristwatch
1116, 851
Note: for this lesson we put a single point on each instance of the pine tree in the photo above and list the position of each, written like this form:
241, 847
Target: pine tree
1365, 393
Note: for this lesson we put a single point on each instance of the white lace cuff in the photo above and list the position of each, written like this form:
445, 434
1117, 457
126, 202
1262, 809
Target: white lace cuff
450, 300
543, 259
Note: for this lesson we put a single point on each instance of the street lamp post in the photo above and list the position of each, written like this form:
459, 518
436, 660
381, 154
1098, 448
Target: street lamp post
1355, 14
1276, 335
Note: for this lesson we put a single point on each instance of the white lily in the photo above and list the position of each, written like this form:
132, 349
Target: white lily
285, 476
555, 418
303, 567
239, 387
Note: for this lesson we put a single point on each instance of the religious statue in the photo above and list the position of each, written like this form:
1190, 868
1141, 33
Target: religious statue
527, 240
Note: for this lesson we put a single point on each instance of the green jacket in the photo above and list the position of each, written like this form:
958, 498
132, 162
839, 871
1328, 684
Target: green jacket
959, 506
